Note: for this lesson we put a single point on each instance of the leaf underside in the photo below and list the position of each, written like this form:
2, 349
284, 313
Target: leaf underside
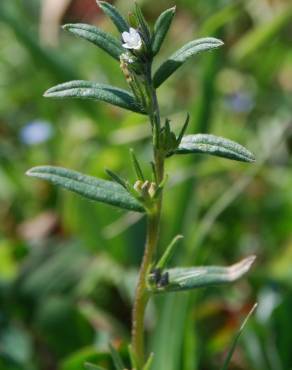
98, 37
214, 145
80, 89
88, 186
182, 55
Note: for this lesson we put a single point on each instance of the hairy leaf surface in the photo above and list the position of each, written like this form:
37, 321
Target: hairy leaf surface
90, 90
88, 186
161, 28
116, 17
196, 277
214, 145
182, 55
98, 37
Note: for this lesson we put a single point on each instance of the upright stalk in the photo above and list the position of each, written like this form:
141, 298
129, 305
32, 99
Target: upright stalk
152, 234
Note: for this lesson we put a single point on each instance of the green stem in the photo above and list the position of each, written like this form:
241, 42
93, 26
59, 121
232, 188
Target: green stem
152, 235
142, 296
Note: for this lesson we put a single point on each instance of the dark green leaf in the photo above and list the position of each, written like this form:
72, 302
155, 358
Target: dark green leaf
89, 366
214, 145
118, 20
136, 166
89, 187
161, 28
98, 37
236, 338
118, 179
182, 55
183, 130
91, 90
116, 358
195, 277
143, 25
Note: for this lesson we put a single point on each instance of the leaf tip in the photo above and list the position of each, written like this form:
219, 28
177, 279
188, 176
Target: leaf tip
241, 268
29, 172
33, 172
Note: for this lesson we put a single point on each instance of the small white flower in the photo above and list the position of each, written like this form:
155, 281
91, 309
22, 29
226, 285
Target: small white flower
132, 39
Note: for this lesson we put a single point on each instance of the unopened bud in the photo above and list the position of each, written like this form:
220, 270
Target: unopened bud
152, 189
138, 186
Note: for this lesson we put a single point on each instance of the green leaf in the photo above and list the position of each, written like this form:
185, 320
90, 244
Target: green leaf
236, 338
118, 179
214, 145
98, 37
90, 90
161, 28
89, 366
118, 20
116, 358
168, 252
89, 187
179, 279
149, 362
143, 25
136, 166
182, 55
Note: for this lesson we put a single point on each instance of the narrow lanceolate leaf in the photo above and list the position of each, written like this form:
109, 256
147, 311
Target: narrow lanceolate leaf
90, 90
89, 366
89, 187
149, 362
214, 145
178, 279
98, 37
161, 28
117, 360
112, 12
236, 338
182, 55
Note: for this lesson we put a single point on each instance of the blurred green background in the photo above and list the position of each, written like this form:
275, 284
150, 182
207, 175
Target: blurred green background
68, 266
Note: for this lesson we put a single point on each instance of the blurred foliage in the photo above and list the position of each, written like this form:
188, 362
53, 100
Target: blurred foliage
68, 266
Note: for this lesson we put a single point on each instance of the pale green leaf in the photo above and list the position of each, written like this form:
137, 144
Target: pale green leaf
214, 145
161, 28
149, 362
88, 186
90, 90
180, 279
112, 12
182, 55
98, 37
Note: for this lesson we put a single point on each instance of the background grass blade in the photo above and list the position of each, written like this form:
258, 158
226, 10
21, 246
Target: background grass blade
87, 186
235, 340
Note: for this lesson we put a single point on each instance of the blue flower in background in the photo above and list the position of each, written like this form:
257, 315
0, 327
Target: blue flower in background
240, 102
36, 132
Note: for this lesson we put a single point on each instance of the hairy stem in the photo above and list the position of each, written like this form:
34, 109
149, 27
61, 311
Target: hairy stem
152, 235
142, 296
